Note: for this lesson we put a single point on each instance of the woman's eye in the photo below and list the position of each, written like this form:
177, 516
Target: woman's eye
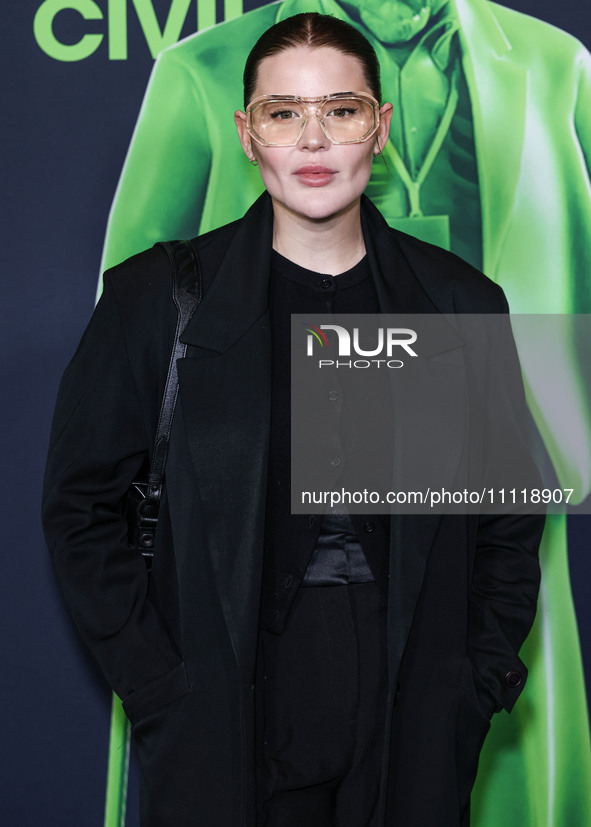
342, 112
284, 114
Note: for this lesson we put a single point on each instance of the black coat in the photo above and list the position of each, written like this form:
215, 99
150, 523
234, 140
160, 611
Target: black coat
180, 647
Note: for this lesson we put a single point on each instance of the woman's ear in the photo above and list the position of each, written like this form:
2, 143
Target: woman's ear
245, 139
384, 127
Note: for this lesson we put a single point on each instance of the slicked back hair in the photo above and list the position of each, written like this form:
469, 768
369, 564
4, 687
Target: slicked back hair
314, 31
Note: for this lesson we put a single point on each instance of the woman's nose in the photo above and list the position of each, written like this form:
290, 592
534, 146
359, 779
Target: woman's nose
313, 136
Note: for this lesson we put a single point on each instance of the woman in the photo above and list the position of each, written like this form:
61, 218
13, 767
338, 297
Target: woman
280, 669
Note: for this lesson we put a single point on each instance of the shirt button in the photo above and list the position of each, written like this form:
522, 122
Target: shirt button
333, 395
336, 461
310, 521
326, 284
369, 527
287, 581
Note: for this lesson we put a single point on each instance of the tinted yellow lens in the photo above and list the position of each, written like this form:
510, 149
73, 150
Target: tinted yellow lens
347, 119
278, 122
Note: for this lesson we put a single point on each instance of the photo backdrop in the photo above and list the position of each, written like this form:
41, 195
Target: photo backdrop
74, 79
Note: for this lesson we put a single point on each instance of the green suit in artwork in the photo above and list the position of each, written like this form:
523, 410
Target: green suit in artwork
516, 203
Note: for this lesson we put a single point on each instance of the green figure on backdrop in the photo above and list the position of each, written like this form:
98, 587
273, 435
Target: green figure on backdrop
488, 156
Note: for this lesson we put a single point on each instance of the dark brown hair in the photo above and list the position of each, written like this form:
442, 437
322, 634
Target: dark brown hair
313, 30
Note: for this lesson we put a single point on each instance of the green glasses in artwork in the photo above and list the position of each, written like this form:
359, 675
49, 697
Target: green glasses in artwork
345, 118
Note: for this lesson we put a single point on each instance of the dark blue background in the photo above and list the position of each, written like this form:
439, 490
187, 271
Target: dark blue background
66, 135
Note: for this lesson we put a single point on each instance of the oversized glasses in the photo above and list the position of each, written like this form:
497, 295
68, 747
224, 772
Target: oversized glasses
345, 118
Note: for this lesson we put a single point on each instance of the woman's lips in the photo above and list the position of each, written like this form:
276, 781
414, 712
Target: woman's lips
314, 176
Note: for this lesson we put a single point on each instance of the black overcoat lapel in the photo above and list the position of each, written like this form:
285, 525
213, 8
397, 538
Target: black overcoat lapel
429, 403
224, 390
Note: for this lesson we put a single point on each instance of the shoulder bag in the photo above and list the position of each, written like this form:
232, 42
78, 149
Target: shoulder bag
142, 502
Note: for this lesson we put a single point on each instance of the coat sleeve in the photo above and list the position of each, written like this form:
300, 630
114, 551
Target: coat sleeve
506, 573
162, 187
98, 443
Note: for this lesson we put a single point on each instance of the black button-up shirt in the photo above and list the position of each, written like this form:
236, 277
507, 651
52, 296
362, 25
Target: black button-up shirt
316, 549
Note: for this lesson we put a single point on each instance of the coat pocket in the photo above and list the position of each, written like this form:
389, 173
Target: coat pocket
157, 694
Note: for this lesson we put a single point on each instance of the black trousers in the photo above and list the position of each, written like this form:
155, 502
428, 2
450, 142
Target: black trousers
321, 709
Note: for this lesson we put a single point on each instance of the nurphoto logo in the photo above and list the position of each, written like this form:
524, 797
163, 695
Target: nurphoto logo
382, 343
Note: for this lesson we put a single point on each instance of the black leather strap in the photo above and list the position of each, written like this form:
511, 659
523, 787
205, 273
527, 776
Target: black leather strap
187, 292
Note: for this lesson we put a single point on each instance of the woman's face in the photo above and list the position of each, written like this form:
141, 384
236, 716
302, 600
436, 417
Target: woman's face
314, 179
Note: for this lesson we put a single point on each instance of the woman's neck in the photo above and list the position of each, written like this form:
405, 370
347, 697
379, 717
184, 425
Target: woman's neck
328, 245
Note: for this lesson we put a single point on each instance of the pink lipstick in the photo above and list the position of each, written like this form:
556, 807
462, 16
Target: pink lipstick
314, 175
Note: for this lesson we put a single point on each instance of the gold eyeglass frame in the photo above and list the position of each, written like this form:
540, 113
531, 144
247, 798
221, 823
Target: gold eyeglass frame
254, 104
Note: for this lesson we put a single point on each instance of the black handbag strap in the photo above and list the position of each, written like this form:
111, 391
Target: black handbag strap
187, 292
